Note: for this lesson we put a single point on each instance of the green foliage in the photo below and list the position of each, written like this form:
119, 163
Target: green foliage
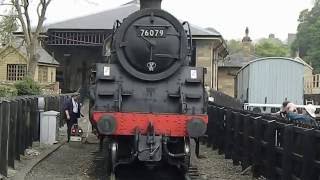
308, 36
271, 48
27, 87
234, 46
7, 91
8, 24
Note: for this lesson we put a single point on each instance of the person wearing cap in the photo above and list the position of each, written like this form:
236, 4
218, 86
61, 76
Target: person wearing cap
72, 111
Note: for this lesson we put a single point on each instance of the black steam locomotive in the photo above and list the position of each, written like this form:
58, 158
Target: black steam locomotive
147, 99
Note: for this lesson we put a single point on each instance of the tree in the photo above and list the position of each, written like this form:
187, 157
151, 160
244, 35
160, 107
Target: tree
30, 35
8, 24
307, 42
234, 46
271, 48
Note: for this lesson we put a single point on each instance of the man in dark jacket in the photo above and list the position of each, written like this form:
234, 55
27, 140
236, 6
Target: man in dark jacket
72, 111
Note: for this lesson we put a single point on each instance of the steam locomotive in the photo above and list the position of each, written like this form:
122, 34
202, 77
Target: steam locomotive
147, 99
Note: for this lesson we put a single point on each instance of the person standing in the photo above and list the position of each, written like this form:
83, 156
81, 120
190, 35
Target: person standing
72, 112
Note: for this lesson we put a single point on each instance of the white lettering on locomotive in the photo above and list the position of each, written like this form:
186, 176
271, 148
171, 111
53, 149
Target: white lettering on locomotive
193, 74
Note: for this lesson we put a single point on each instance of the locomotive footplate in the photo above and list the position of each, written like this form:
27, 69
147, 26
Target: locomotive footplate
149, 147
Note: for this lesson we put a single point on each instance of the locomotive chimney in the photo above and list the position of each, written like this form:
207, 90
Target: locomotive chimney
155, 4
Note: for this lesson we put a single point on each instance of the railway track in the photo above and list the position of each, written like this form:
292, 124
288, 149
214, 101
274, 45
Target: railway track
193, 173
138, 171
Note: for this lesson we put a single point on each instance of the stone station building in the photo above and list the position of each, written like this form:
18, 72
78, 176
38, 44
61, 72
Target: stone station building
14, 62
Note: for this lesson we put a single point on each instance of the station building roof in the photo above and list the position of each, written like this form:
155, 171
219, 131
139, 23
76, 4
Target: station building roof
106, 19
43, 56
237, 60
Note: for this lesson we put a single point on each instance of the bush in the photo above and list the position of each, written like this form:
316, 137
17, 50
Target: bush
7, 91
27, 87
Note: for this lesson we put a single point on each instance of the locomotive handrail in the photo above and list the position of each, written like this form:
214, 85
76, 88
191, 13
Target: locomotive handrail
190, 37
116, 25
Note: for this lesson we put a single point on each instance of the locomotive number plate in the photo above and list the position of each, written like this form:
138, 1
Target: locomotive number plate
152, 32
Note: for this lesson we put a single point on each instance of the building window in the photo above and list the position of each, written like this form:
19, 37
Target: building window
43, 74
16, 72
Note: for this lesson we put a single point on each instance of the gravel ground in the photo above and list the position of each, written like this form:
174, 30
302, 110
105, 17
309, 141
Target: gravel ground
83, 162
215, 167
71, 161
74, 160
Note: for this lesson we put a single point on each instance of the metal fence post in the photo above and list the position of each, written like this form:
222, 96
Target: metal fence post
287, 151
18, 129
221, 130
12, 134
236, 148
256, 162
214, 126
4, 138
270, 154
1, 130
210, 125
31, 120
61, 115
23, 125
309, 155
228, 135
246, 142
28, 124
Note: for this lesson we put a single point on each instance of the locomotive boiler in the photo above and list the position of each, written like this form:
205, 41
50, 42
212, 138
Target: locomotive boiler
146, 99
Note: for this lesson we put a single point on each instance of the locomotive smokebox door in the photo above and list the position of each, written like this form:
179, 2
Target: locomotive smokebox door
151, 44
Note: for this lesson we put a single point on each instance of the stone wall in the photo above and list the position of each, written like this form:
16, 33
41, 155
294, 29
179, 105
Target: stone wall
206, 57
226, 83
51, 73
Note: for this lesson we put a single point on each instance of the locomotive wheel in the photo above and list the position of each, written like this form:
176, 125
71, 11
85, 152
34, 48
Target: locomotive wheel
112, 159
114, 153
187, 158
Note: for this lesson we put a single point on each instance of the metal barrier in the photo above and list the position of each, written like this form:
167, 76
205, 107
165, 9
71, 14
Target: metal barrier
19, 126
273, 148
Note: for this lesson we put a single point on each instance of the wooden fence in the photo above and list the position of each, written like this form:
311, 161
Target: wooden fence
20, 126
273, 147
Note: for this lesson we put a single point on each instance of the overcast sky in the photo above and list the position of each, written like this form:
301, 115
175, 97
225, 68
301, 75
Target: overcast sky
229, 17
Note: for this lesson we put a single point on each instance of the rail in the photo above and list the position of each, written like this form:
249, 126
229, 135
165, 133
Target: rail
273, 147
20, 126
